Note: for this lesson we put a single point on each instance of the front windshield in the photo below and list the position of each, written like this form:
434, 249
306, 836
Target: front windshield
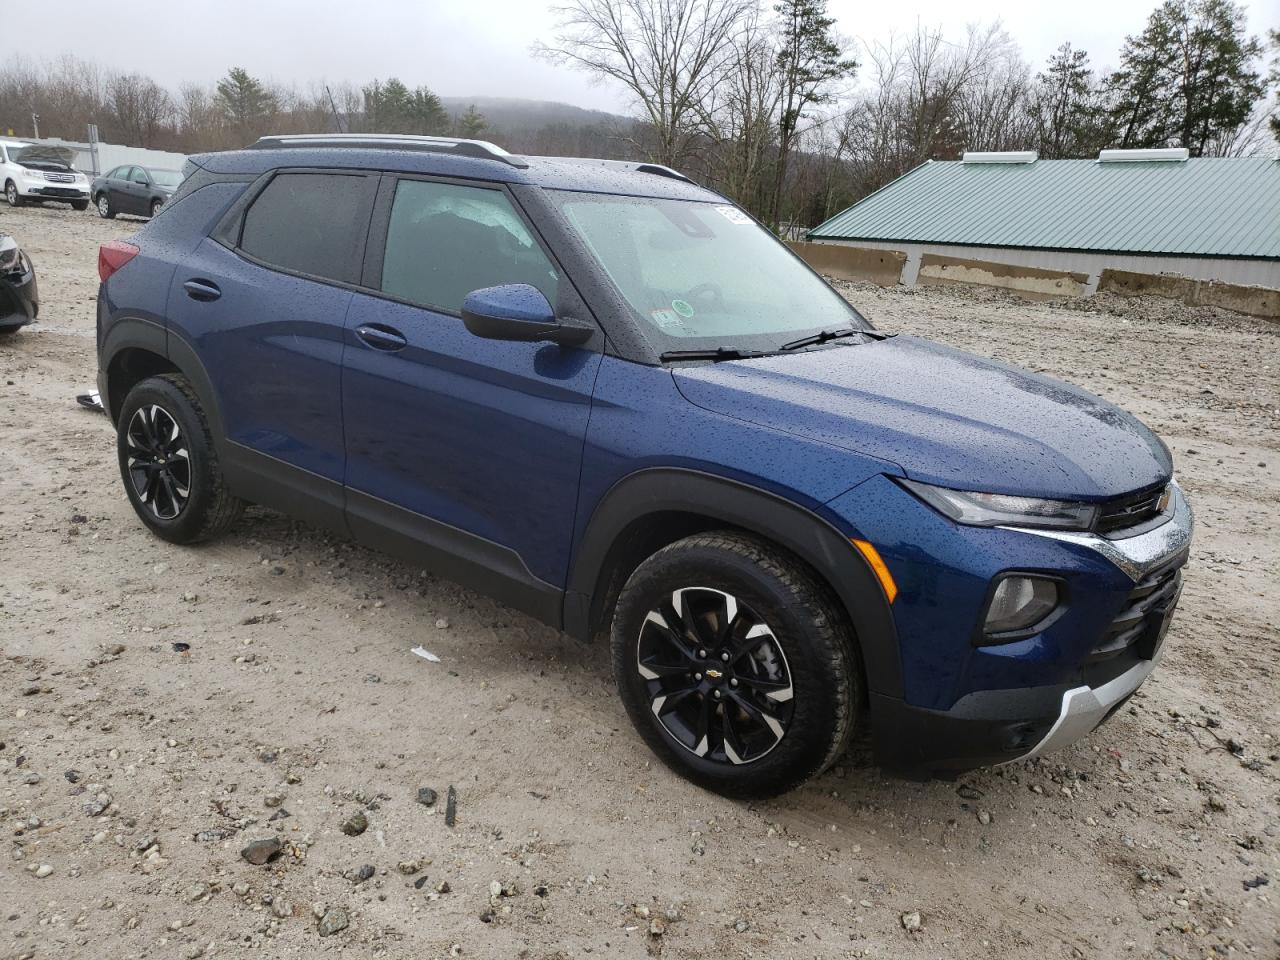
703, 275
166, 178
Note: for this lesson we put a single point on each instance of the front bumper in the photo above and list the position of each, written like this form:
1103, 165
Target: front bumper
52, 191
992, 726
19, 299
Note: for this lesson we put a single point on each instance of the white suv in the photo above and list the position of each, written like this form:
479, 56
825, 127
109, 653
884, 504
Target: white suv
33, 171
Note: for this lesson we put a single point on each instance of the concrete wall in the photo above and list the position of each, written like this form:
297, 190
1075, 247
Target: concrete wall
1256, 301
883, 267
1257, 273
1033, 282
1244, 286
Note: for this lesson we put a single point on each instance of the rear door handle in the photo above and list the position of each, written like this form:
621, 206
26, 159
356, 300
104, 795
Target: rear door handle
204, 290
381, 338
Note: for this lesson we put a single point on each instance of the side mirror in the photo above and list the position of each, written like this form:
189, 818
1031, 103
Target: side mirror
519, 311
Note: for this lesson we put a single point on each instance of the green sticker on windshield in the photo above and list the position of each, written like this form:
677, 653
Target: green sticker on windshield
682, 307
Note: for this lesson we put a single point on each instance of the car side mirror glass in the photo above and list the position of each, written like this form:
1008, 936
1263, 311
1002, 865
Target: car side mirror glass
519, 311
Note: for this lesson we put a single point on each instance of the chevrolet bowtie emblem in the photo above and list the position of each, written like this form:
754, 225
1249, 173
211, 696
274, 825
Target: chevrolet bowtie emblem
714, 674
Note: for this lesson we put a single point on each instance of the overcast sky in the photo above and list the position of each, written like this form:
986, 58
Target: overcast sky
481, 47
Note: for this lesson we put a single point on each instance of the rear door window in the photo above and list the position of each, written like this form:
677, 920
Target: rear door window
445, 240
311, 223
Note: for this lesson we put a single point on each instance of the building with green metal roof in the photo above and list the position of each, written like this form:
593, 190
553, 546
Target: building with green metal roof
1145, 211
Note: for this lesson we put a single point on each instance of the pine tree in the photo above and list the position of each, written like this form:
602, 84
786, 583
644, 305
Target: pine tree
472, 123
1066, 108
244, 101
391, 107
810, 60
1188, 79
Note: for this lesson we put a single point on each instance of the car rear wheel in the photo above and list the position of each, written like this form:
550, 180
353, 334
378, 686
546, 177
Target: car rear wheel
169, 465
11, 195
735, 664
103, 203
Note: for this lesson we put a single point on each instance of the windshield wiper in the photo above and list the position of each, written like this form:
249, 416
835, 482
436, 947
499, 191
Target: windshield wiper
821, 336
715, 353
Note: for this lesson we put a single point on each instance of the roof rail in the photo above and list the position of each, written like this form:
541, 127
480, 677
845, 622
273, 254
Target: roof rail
482, 149
634, 166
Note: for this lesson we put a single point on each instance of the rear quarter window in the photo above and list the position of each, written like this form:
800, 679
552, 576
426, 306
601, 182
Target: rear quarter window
311, 223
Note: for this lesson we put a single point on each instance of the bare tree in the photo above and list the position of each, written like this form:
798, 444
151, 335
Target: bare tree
140, 107
992, 107
739, 118
669, 54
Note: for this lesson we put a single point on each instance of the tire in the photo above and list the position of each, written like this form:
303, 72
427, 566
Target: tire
790, 656
156, 207
11, 195
80, 205
152, 409
103, 203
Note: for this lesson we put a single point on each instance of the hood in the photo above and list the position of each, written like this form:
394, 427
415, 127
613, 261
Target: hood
43, 153
943, 416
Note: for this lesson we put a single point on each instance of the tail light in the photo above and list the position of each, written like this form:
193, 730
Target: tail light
113, 255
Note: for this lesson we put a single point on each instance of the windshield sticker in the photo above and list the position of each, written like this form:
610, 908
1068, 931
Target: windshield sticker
666, 319
682, 307
734, 215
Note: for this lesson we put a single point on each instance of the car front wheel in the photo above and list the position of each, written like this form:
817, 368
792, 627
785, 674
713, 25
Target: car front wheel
79, 205
11, 195
156, 206
169, 465
735, 664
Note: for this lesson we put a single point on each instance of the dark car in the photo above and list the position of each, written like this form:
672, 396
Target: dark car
133, 189
610, 398
19, 297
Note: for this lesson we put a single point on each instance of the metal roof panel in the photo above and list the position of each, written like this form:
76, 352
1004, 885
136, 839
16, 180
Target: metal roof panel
1205, 206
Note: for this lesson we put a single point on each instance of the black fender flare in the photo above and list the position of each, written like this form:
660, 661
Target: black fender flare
816, 541
150, 335
127, 333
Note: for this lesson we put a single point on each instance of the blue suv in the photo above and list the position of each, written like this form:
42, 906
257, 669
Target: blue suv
609, 398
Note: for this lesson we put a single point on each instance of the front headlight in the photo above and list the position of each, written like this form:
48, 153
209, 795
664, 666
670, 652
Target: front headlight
1002, 509
33, 174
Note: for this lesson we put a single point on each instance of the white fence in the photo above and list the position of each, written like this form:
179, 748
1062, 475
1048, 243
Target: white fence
111, 155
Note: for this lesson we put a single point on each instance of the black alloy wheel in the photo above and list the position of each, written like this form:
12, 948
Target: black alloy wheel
737, 667
716, 676
169, 463
159, 461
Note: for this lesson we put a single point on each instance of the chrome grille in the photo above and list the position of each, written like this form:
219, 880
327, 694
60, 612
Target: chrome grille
61, 177
1131, 510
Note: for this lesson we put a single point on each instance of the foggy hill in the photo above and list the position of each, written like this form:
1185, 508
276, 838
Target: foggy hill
515, 114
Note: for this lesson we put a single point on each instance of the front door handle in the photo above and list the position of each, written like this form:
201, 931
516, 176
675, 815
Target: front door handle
381, 337
203, 290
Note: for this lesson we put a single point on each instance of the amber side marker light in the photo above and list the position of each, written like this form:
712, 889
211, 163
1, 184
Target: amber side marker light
877, 564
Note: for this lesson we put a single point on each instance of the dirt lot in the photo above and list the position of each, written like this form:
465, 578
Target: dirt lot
162, 707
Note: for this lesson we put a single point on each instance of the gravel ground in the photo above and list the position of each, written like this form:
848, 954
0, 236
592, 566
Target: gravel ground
162, 708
